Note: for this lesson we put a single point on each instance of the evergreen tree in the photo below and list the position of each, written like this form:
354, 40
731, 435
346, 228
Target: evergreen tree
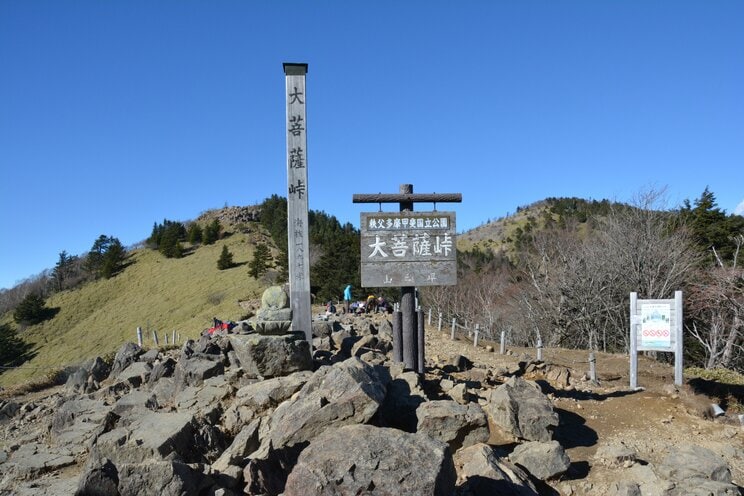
12, 348
170, 240
226, 259
106, 257
31, 310
212, 232
194, 233
260, 262
711, 227
64, 272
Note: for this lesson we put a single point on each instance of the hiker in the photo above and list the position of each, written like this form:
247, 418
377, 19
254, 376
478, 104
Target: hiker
330, 308
347, 298
371, 304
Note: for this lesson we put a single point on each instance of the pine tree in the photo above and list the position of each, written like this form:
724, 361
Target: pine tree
259, 264
170, 244
226, 259
106, 257
12, 348
194, 233
31, 310
212, 232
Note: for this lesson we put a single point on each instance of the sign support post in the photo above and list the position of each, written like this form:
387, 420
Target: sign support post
297, 202
409, 267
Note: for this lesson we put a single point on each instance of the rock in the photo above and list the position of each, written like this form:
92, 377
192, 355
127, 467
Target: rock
459, 393
245, 443
404, 395
371, 342
361, 459
624, 489
349, 392
543, 460
616, 455
322, 329
457, 363
8, 410
481, 473
273, 324
150, 356
135, 374
275, 298
195, 370
521, 409
34, 459
261, 397
272, 356
151, 437
160, 369
559, 377
135, 401
125, 356
693, 462
101, 479
457, 425
168, 478
76, 421
204, 402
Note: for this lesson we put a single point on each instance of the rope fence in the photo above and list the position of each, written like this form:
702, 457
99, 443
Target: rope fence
475, 332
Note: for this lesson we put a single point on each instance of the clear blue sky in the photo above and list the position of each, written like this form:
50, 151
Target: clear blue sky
114, 115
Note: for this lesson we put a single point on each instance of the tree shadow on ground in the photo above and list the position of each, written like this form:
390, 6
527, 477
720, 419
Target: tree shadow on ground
727, 394
581, 395
572, 430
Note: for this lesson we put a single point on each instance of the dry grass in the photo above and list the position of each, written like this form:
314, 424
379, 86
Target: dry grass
154, 293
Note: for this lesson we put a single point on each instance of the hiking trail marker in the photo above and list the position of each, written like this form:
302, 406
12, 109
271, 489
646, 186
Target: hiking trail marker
407, 249
297, 204
656, 325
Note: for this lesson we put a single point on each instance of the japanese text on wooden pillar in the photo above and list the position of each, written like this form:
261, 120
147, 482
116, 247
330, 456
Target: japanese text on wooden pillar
297, 202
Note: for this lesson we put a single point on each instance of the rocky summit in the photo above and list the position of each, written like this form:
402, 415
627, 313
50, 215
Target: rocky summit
253, 413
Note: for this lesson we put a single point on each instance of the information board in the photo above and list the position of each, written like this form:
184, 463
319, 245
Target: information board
408, 249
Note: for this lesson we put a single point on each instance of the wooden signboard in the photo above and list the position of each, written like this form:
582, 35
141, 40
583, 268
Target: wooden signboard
400, 249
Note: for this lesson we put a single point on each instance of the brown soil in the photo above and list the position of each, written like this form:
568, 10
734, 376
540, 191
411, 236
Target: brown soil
652, 420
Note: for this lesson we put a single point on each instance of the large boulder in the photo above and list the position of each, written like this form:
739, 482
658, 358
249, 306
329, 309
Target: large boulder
543, 460
150, 437
519, 407
696, 471
361, 459
349, 392
126, 355
404, 395
272, 356
195, 370
457, 425
262, 397
481, 473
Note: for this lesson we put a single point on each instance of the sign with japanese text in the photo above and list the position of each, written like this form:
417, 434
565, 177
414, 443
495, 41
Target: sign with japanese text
656, 328
408, 249
297, 203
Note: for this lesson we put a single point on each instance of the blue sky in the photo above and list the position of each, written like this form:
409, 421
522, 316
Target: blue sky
114, 115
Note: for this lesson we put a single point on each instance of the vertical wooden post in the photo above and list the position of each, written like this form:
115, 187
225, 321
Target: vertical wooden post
678, 355
166, 338
297, 200
475, 338
439, 326
429, 316
155, 338
539, 349
420, 345
174, 337
408, 302
633, 341
502, 347
139, 336
452, 334
592, 367
397, 336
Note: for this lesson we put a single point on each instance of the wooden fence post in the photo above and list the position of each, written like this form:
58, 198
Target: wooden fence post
397, 337
475, 338
174, 337
592, 367
155, 337
139, 336
452, 334
429, 316
502, 348
439, 326
539, 350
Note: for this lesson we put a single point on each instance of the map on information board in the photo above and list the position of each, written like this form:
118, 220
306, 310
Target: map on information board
656, 329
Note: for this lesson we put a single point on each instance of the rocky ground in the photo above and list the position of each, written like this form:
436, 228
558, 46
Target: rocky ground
249, 413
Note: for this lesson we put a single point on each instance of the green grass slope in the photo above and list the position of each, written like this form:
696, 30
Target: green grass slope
164, 294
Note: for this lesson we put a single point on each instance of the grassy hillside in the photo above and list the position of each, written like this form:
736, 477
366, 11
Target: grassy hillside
164, 294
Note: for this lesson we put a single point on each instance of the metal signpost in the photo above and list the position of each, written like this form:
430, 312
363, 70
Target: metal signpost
297, 204
407, 249
656, 325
